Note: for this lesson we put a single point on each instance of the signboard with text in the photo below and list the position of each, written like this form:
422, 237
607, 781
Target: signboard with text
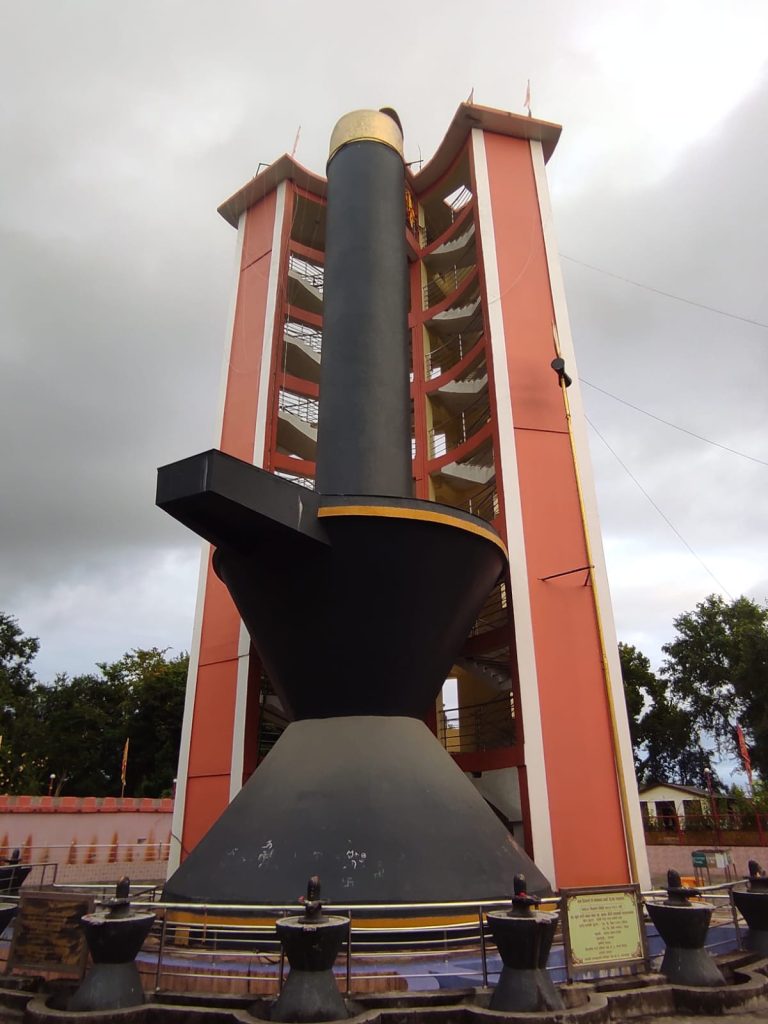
603, 927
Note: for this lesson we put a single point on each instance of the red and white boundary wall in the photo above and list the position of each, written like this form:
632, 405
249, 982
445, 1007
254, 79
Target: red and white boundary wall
88, 839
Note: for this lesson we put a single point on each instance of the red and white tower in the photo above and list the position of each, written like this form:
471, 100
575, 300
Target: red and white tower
540, 722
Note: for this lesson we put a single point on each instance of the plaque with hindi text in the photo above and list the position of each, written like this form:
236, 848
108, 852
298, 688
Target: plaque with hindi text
603, 927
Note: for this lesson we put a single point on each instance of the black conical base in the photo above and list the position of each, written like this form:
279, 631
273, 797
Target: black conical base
374, 806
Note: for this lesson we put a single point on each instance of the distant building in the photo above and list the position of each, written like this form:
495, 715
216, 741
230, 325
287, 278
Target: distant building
665, 805
537, 715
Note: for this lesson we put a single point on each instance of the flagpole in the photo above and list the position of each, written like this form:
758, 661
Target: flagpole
124, 767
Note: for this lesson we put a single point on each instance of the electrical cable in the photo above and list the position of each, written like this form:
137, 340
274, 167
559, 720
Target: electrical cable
668, 423
668, 295
666, 519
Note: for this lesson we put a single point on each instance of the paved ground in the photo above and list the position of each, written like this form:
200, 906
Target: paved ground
731, 1018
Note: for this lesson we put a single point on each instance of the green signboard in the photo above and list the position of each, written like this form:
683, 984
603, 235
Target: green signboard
699, 859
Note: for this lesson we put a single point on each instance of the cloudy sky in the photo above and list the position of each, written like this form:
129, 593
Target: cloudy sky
122, 126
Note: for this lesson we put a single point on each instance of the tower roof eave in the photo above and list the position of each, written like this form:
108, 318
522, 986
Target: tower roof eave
467, 117
489, 119
284, 168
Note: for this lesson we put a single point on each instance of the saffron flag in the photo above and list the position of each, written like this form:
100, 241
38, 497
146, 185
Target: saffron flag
124, 765
744, 752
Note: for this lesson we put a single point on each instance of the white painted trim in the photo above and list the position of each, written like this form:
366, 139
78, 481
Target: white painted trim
259, 442
241, 707
538, 795
182, 772
589, 495
227, 357
269, 328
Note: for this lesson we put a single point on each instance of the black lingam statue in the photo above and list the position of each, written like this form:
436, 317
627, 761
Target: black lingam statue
524, 938
311, 943
114, 934
752, 904
683, 926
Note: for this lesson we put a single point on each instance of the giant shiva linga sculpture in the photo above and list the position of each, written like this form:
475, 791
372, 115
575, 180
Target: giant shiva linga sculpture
357, 598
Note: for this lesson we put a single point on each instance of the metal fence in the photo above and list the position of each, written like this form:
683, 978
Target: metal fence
729, 828
206, 946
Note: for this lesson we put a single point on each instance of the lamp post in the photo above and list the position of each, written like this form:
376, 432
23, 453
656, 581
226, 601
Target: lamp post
51, 780
713, 804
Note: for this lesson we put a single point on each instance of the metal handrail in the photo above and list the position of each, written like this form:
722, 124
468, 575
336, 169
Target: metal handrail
444, 284
428, 233
454, 347
479, 726
310, 336
484, 504
311, 273
469, 422
468, 937
302, 481
299, 405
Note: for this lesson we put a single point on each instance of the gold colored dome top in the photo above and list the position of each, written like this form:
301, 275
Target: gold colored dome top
368, 126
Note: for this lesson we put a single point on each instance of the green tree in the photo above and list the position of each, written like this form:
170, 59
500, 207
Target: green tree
153, 707
139, 698
75, 728
20, 765
717, 668
84, 723
665, 742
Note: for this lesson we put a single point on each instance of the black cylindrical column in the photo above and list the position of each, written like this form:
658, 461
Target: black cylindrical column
364, 428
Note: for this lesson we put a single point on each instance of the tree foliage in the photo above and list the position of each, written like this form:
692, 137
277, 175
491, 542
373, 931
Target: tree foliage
75, 729
714, 677
664, 740
717, 666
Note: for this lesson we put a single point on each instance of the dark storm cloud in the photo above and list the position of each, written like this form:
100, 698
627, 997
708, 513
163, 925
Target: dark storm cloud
698, 233
122, 129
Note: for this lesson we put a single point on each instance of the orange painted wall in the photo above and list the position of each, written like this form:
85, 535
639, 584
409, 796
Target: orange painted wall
210, 752
584, 800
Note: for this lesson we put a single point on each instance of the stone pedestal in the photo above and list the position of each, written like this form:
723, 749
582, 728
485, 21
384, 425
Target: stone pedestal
114, 934
524, 943
310, 992
684, 927
752, 904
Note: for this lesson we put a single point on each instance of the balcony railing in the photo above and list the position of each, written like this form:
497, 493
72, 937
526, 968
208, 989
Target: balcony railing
494, 614
311, 273
473, 727
444, 284
299, 405
309, 336
454, 347
444, 438
484, 504
456, 201
728, 828
302, 481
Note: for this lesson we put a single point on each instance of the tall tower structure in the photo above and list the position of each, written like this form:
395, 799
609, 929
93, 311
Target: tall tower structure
536, 716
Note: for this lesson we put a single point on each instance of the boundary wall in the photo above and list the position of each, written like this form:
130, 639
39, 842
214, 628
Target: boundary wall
88, 839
